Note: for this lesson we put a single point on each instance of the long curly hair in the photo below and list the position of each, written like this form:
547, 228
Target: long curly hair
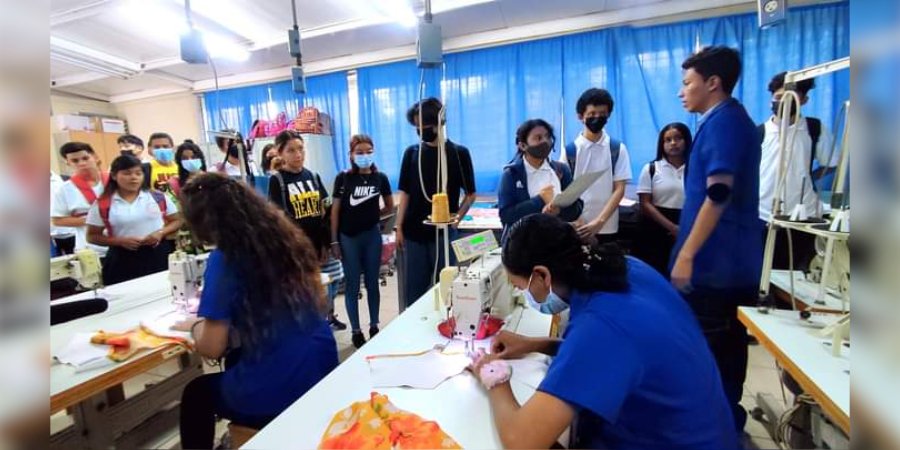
273, 256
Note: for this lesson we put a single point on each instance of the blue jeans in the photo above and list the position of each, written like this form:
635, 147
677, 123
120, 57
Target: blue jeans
361, 255
418, 263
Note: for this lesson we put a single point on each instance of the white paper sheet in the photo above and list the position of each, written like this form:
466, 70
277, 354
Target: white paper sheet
576, 188
425, 371
83, 355
162, 325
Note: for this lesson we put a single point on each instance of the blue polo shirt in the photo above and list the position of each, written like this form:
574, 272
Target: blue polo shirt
726, 142
638, 371
290, 361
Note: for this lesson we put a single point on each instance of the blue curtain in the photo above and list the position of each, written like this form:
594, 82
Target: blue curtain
488, 92
237, 108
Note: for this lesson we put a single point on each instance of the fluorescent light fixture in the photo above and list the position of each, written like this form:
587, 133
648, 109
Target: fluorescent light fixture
234, 19
399, 11
91, 59
440, 6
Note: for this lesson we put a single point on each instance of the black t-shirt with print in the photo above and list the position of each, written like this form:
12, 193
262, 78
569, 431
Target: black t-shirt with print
359, 195
460, 176
301, 197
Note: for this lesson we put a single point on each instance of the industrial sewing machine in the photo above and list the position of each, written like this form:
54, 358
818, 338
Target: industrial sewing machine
83, 267
477, 296
186, 275
837, 279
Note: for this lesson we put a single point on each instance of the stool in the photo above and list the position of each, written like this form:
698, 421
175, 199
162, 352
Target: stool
240, 434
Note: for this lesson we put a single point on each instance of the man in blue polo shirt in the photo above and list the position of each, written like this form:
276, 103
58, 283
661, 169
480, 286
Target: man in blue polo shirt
717, 259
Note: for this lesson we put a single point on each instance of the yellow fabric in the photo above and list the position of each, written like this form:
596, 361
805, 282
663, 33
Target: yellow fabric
160, 174
127, 344
378, 424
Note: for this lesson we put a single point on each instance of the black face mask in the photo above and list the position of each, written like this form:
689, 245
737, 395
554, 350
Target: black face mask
595, 124
428, 134
776, 107
540, 151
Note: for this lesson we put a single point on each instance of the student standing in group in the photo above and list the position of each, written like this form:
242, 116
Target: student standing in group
661, 193
271, 162
418, 241
190, 162
809, 162
595, 150
304, 198
134, 146
531, 182
632, 369
231, 166
717, 258
133, 222
72, 201
355, 231
162, 167
262, 284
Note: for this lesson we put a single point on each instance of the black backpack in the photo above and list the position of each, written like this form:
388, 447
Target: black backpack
813, 125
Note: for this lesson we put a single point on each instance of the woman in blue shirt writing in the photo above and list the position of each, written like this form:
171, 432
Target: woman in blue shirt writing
632, 369
268, 291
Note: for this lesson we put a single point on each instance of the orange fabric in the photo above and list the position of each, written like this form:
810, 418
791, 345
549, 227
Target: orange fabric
378, 424
127, 344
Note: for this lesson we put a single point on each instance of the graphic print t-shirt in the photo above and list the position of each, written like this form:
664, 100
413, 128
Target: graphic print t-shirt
359, 195
160, 175
301, 198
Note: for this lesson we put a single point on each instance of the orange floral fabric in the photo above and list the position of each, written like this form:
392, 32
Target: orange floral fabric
378, 424
127, 344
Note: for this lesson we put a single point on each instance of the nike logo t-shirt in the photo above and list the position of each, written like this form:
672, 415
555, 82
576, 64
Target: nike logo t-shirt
359, 196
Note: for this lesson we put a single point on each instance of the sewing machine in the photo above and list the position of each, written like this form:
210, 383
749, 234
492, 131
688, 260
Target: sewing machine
83, 267
480, 288
837, 278
186, 276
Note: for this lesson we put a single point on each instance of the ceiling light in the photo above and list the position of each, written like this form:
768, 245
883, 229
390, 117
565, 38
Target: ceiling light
219, 47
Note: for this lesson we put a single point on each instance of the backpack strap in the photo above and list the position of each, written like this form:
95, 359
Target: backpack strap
103, 205
160, 199
761, 131
652, 171
148, 171
86, 189
571, 156
614, 147
284, 195
814, 126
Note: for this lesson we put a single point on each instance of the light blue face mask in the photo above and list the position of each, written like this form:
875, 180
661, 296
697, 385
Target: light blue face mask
191, 165
553, 304
363, 161
164, 155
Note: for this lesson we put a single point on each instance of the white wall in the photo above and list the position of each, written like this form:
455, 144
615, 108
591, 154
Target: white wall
176, 114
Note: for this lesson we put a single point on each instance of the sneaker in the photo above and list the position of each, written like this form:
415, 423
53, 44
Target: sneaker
336, 324
358, 339
373, 330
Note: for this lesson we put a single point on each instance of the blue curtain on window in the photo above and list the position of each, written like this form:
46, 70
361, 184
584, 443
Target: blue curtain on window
489, 92
237, 108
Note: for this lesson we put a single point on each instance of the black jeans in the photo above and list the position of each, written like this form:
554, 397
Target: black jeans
727, 338
202, 404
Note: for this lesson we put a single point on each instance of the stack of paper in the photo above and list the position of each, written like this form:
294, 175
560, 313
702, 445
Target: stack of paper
83, 355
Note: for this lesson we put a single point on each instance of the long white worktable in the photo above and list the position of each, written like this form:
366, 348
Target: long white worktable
129, 303
459, 405
805, 355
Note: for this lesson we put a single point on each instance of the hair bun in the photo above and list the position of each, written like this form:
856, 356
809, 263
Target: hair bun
188, 141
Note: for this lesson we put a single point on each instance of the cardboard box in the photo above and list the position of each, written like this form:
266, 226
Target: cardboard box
71, 122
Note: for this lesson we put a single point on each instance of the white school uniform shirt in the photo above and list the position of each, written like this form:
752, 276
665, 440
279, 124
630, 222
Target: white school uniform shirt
798, 177
594, 156
540, 177
136, 219
69, 202
56, 182
666, 189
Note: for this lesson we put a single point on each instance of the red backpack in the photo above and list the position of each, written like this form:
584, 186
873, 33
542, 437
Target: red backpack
104, 203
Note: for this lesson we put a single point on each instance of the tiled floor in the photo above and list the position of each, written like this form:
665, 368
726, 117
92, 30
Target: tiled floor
762, 374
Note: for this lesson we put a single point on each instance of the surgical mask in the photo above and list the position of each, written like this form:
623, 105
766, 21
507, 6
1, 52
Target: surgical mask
363, 161
595, 124
553, 304
429, 135
191, 165
540, 151
164, 155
